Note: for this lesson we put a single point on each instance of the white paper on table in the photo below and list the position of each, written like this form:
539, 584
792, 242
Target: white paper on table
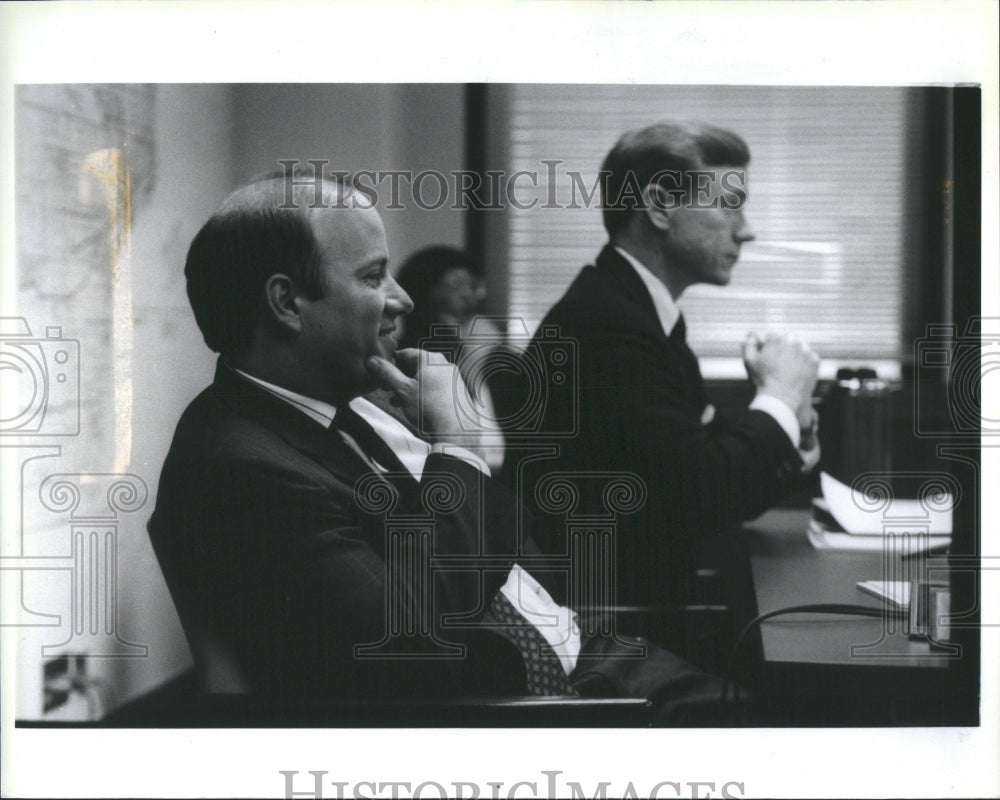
822, 539
896, 592
933, 518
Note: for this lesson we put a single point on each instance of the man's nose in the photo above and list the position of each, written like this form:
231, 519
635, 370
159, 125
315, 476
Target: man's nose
397, 301
743, 232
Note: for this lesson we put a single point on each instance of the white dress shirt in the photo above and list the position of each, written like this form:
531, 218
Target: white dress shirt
668, 314
410, 450
556, 624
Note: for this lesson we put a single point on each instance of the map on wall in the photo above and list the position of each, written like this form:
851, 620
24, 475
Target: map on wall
63, 229
86, 164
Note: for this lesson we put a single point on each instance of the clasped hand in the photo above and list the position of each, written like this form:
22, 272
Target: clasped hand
785, 368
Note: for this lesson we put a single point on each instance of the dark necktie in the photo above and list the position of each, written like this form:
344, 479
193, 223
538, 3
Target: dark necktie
353, 424
695, 384
679, 333
545, 674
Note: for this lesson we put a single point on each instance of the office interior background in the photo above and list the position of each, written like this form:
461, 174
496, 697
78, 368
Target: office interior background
849, 196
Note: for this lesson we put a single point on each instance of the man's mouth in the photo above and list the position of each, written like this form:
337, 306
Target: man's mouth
387, 331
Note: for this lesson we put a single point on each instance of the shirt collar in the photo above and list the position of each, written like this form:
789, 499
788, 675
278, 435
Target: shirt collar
666, 308
322, 412
410, 450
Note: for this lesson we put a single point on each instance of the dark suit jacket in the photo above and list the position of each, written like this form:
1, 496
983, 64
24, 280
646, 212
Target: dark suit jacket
262, 540
640, 405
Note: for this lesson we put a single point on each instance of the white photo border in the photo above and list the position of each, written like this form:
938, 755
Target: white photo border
787, 43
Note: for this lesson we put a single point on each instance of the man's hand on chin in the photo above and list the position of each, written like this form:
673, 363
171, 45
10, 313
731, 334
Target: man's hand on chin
385, 400
428, 391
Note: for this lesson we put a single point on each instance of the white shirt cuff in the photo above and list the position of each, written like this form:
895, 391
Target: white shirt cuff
810, 458
785, 417
781, 413
556, 623
468, 457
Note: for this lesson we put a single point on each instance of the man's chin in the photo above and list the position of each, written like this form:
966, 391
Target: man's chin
720, 278
386, 348
725, 274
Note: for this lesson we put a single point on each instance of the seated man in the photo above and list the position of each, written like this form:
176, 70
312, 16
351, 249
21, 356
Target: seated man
289, 515
672, 197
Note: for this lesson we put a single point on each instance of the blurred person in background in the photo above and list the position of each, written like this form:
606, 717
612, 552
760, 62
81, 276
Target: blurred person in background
446, 287
449, 297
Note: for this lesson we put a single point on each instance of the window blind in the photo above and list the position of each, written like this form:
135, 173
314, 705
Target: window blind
828, 179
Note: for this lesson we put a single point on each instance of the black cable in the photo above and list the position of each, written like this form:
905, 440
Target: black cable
848, 609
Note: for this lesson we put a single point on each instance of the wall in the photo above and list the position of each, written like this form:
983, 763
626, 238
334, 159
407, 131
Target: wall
171, 363
360, 127
119, 293
120, 299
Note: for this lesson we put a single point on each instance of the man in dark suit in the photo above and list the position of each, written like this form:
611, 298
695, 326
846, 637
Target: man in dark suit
257, 525
301, 526
672, 202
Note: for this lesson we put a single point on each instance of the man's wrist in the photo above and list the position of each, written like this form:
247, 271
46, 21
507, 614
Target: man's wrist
456, 451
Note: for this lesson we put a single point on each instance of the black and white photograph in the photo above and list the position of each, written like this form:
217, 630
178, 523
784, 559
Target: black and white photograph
433, 417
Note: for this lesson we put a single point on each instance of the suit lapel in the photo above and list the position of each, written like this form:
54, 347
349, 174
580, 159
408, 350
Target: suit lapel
611, 263
674, 347
304, 434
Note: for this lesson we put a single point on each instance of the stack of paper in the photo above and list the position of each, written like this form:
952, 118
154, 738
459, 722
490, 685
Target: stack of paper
841, 521
896, 593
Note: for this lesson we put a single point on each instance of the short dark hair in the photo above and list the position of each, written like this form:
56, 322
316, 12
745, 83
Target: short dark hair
255, 234
419, 276
677, 146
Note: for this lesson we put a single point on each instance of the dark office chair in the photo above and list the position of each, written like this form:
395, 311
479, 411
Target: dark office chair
217, 692
216, 665
699, 627
697, 624
178, 704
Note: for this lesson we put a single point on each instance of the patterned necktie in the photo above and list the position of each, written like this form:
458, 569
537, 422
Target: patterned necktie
350, 422
545, 674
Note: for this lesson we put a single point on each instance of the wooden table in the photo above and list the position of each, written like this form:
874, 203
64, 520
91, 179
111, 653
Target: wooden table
857, 670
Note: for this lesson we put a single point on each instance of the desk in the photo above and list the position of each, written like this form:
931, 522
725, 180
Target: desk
860, 670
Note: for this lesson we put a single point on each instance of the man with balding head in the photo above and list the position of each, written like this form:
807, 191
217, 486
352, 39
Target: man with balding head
278, 572
315, 543
672, 200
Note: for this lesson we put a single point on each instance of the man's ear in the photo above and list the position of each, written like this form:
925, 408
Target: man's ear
658, 205
281, 301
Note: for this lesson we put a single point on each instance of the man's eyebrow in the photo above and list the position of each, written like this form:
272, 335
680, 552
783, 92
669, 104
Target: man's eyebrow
380, 263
